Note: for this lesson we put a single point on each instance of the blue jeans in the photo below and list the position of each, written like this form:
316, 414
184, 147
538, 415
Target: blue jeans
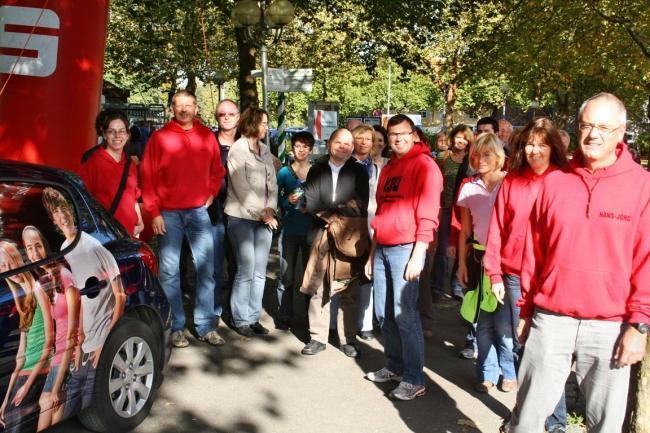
396, 308
218, 235
251, 241
440, 269
513, 293
193, 224
494, 338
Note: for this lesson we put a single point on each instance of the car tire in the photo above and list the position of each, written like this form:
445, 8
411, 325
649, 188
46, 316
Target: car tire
126, 378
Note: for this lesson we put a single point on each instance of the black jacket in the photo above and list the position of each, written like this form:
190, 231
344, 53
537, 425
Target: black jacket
352, 184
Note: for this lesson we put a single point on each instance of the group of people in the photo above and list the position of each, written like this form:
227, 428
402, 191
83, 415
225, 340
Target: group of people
548, 252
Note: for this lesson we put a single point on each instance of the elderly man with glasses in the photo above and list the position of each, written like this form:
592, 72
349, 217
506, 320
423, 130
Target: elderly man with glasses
585, 272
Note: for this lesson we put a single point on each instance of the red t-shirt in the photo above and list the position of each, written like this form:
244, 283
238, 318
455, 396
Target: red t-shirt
102, 175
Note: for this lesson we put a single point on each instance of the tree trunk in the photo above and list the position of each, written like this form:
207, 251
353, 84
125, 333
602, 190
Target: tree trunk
247, 84
191, 82
641, 412
450, 104
562, 112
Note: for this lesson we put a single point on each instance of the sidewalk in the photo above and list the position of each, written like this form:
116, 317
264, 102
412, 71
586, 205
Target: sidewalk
264, 385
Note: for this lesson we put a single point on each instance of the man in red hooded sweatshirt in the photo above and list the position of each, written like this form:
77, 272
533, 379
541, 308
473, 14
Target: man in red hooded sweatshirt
408, 201
181, 174
584, 277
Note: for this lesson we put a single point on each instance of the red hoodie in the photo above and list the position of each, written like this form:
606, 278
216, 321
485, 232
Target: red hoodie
587, 251
180, 168
102, 175
509, 223
408, 198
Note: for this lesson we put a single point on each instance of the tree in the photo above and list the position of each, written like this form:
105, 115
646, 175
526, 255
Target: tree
563, 64
164, 43
444, 39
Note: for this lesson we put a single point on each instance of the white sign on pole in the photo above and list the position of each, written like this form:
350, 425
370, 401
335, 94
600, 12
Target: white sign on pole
287, 80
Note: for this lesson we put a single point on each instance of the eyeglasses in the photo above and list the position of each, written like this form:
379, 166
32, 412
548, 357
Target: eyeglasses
220, 115
117, 132
396, 135
484, 155
602, 129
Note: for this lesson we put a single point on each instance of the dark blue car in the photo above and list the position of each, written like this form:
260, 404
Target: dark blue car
84, 322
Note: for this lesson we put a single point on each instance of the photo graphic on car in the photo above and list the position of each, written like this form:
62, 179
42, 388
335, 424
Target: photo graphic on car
84, 323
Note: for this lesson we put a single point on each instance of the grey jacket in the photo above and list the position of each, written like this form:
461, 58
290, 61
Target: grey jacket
252, 184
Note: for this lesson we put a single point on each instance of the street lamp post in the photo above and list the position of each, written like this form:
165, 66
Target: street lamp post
262, 20
219, 80
504, 90
534, 104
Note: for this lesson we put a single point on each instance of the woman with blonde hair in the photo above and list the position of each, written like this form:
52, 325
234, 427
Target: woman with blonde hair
476, 200
35, 347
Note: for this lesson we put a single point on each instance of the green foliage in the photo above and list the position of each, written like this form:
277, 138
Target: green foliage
160, 43
452, 53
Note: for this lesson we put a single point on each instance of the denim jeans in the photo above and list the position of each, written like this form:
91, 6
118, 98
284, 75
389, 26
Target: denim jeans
193, 224
293, 247
440, 269
494, 339
251, 241
513, 292
219, 236
396, 302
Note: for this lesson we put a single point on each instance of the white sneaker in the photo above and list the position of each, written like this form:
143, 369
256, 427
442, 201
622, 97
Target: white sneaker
383, 375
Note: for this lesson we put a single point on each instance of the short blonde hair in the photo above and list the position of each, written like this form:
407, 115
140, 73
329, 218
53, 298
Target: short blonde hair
362, 129
488, 142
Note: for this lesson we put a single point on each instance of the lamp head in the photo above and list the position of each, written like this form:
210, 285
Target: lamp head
246, 13
279, 13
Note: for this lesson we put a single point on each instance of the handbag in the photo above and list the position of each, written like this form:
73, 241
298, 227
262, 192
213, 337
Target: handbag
479, 295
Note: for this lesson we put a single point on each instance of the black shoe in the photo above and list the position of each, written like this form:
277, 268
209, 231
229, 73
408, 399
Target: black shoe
283, 325
366, 335
245, 331
333, 338
313, 347
259, 329
350, 350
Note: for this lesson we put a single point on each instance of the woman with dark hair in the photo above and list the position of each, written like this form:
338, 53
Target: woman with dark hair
34, 349
103, 171
537, 151
65, 303
380, 147
296, 224
251, 208
451, 164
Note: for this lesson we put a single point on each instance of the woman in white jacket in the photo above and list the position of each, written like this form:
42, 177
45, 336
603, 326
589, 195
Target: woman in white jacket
251, 207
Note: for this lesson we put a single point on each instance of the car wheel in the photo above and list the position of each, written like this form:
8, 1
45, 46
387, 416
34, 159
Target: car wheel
125, 379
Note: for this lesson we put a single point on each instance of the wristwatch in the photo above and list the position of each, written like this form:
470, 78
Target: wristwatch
643, 328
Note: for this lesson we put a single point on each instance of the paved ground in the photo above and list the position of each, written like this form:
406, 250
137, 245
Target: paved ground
264, 385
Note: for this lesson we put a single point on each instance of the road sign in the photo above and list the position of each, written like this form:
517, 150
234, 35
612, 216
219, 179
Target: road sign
287, 80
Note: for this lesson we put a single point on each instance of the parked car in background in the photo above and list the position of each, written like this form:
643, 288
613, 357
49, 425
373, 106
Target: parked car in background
84, 323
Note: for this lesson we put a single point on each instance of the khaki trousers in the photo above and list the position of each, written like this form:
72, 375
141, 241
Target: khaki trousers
319, 313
